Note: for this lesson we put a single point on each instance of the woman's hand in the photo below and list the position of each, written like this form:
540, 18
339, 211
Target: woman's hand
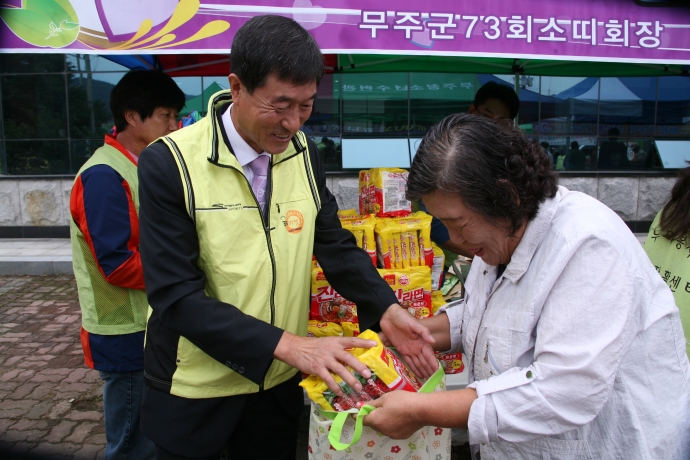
395, 415
399, 414
411, 339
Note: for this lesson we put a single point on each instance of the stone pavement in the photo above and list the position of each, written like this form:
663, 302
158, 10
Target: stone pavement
50, 402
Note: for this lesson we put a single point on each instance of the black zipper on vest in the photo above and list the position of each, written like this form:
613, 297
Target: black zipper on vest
267, 232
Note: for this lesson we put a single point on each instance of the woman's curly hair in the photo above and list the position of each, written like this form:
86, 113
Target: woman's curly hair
491, 165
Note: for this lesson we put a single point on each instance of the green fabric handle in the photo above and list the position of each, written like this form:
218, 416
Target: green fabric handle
339, 422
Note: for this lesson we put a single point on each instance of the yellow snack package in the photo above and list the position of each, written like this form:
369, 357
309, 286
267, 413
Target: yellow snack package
385, 230
437, 267
426, 252
437, 301
388, 198
324, 329
418, 225
359, 233
451, 362
397, 250
350, 329
365, 203
326, 304
347, 213
413, 248
388, 373
366, 224
405, 249
412, 287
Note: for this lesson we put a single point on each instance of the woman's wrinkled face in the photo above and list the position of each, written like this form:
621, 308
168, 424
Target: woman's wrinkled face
466, 227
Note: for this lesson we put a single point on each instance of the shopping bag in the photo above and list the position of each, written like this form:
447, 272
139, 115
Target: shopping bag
342, 436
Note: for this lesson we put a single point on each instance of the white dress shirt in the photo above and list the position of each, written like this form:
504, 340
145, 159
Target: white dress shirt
577, 350
244, 153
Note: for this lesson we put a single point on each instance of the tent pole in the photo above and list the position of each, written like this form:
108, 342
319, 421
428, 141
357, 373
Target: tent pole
517, 88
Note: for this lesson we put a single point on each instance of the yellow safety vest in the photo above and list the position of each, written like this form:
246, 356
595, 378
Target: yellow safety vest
107, 309
260, 265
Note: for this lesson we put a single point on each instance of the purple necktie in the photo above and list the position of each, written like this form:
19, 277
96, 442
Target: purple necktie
260, 168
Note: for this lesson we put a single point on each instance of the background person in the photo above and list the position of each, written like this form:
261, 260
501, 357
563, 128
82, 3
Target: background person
576, 157
233, 207
104, 205
668, 247
571, 337
613, 154
493, 100
547, 151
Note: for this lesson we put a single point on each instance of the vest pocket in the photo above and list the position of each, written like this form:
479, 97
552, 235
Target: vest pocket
112, 303
547, 448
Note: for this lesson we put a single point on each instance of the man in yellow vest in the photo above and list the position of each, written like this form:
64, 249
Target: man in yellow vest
233, 207
104, 205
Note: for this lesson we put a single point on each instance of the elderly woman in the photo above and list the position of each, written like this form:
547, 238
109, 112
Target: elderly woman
573, 341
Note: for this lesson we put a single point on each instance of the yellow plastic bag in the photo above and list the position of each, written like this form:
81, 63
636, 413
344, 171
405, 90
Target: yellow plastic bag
388, 373
350, 329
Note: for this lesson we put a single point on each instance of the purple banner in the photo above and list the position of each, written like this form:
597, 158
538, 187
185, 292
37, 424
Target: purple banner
615, 30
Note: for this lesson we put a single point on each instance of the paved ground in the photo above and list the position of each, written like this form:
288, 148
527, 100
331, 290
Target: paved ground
50, 402
35, 256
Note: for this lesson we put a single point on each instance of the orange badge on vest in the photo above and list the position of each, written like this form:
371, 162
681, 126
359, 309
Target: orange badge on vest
294, 221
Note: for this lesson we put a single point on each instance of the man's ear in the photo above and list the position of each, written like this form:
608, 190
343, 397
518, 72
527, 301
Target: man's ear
236, 86
132, 117
472, 110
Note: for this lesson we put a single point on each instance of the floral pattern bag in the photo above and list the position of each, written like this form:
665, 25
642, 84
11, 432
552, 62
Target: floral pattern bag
350, 440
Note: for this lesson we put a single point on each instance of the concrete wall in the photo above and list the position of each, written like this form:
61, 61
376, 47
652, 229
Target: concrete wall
29, 202
34, 202
636, 198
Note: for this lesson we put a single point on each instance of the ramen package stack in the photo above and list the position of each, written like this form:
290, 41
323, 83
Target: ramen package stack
328, 307
388, 373
404, 242
412, 287
363, 229
418, 228
385, 193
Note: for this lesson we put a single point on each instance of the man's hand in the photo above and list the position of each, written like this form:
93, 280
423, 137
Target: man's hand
323, 356
411, 339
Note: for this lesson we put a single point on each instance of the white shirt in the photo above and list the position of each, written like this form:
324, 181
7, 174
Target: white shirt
577, 350
244, 153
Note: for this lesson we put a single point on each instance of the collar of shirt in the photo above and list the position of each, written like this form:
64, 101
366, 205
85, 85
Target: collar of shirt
112, 141
134, 158
243, 152
535, 231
